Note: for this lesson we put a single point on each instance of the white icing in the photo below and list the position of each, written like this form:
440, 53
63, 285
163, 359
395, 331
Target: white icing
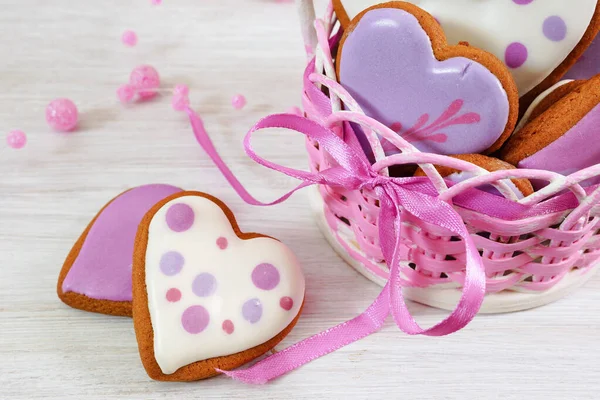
458, 177
494, 24
174, 347
537, 102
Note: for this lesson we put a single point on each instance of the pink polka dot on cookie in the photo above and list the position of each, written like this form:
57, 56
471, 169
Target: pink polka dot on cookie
228, 326
515, 55
286, 303
195, 319
204, 285
265, 276
171, 263
173, 295
180, 217
222, 243
555, 28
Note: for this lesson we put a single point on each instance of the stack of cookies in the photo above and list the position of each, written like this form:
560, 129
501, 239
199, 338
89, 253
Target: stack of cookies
501, 84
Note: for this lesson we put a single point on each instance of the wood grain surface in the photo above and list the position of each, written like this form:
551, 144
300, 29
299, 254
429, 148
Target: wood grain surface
51, 189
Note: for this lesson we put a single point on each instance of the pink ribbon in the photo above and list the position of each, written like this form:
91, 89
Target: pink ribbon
397, 196
415, 195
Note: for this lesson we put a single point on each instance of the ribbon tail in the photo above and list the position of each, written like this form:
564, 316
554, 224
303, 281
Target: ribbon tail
318, 345
437, 212
206, 143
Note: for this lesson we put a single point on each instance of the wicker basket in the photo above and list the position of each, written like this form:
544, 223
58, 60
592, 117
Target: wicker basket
528, 262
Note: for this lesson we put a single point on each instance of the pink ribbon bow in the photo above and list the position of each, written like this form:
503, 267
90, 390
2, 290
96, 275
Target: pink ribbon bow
397, 196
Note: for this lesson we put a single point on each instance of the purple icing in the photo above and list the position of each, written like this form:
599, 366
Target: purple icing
573, 151
450, 107
555, 28
180, 217
195, 319
265, 276
102, 269
252, 310
515, 55
588, 65
204, 285
171, 263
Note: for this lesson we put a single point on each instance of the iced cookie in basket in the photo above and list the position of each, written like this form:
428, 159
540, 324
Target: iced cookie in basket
547, 99
538, 40
588, 65
395, 61
96, 276
563, 138
207, 296
521, 187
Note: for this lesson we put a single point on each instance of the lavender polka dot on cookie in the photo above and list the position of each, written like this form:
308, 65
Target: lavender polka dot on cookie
171, 263
204, 285
195, 319
180, 217
516, 54
252, 311
265, 276
555, 28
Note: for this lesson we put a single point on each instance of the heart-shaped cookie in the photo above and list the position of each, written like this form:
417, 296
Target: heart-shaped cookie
394, 60
588, 65
206, 295
96, 276
563, 138
537, 39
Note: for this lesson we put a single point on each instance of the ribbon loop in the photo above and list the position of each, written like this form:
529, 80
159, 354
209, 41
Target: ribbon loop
397, 196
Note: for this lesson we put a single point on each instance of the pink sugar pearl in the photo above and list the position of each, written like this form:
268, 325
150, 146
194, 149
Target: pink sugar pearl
62, 115
144, 77
129, 38
16, 139
125, 93
238, 102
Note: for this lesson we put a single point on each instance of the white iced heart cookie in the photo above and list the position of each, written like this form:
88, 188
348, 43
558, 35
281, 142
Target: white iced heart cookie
532, 37
206, 295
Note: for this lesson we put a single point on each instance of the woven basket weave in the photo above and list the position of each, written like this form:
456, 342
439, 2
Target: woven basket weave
528, 262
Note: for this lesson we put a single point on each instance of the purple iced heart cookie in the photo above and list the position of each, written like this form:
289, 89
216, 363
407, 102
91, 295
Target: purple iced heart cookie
96, 275
395, 62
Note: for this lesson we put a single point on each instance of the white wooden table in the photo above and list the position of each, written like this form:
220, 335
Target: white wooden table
51, 189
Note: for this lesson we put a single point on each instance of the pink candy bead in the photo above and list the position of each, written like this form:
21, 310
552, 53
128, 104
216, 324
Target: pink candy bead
125, 93
62, 115
180, 98
238, 102
129, 38
16, 139
144, 77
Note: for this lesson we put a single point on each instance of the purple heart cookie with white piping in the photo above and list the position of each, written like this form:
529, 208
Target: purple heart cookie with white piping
395, 62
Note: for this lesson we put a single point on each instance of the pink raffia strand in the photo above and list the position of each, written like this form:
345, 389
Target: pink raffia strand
180, 99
